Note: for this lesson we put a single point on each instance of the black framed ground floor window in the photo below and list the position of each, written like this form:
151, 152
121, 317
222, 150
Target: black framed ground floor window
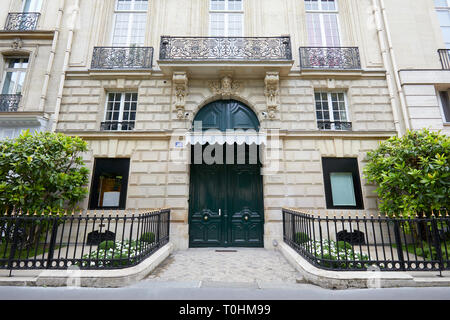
109, 184
342, 183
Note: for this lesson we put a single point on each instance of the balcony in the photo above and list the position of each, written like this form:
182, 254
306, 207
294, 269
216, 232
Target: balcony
444, 55
9, 102
122, 58
22, 21
334, 125
117, 126
205, 55
330, 58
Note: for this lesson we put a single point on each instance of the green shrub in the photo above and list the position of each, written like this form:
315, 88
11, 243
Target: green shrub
148, 237
105, 245
301, 237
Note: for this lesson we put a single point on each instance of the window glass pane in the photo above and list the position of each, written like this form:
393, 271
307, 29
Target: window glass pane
7, 84
137, 5
217, 4
234, 25
328, 5
331, 30
314, 29
312, 4
342, 189
234, 4
32, 6
445, 105
217, 24
109, 190
440, 3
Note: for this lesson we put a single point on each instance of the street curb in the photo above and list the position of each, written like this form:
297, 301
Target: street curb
93, 278
356, 279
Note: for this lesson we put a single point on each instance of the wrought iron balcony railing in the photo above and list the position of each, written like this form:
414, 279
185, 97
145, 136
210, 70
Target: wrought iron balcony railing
444, 55
226, 48
122, 58
9, 102
22, 21
117, 126
334, 125
346, 58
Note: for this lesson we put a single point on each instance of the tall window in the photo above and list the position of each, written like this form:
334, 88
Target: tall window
120, 111
331, 111
443, 12
32, 5
226, 18
342, 183
322, 23
130, 19
14, 76
444, 99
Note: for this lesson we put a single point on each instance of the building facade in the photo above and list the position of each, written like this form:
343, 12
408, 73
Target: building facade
226, 110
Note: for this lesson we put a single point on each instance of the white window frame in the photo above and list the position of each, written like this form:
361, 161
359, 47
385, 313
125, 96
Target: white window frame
321, 13
447, 8
226, 13
131, 13
121, 110
8, 69
330, 108
441, 105
36, 7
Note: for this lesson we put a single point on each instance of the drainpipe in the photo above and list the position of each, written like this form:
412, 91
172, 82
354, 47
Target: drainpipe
71, 26
386, 62
396, 69
52, 57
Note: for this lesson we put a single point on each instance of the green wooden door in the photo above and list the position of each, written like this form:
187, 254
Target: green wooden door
226, 206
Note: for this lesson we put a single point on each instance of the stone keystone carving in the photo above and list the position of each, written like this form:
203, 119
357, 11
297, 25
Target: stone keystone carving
17, 44
272, 92
180, 81
226, 87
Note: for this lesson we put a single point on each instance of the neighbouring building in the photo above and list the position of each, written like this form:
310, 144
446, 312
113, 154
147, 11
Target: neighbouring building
226, 110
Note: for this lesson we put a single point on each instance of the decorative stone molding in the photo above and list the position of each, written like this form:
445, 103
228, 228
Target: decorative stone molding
17, 44
180, 81
226, 87
272, 92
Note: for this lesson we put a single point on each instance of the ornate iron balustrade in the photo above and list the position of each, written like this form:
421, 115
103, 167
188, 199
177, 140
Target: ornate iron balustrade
9, 102
117, 126
122, 58
22, 21
330, 58
444, 55
225, 48
334, 125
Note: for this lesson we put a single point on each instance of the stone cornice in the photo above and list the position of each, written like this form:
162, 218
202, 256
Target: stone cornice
27, 35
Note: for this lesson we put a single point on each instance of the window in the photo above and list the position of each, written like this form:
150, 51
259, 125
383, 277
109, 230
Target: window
331, 111
444, 100
226, 18
342, 183
32, 5
120, 111
322, 23
109, 184
443, 12
14, 75
130, 19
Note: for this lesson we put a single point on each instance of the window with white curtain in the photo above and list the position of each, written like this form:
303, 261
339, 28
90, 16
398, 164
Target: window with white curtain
322, 23
14, 75
130, 20
226, 18
32, 5
443, 12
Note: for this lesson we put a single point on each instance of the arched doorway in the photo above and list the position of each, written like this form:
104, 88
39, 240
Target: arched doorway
226, 197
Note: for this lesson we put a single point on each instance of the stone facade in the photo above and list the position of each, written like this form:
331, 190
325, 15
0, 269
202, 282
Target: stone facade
73, 95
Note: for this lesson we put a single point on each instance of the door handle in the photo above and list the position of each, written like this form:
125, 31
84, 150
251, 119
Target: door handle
220, 212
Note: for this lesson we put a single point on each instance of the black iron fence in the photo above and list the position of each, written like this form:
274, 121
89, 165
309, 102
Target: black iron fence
444, 55
117, 126
122, 58
98, 241
334, 125
359, 243
346, 58
226, 48
22, 21
9, 102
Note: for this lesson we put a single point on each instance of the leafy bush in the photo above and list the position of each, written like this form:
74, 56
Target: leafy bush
328, 252
123, 253
412, 173
148, 237
42, 172
301, 237
105, 245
